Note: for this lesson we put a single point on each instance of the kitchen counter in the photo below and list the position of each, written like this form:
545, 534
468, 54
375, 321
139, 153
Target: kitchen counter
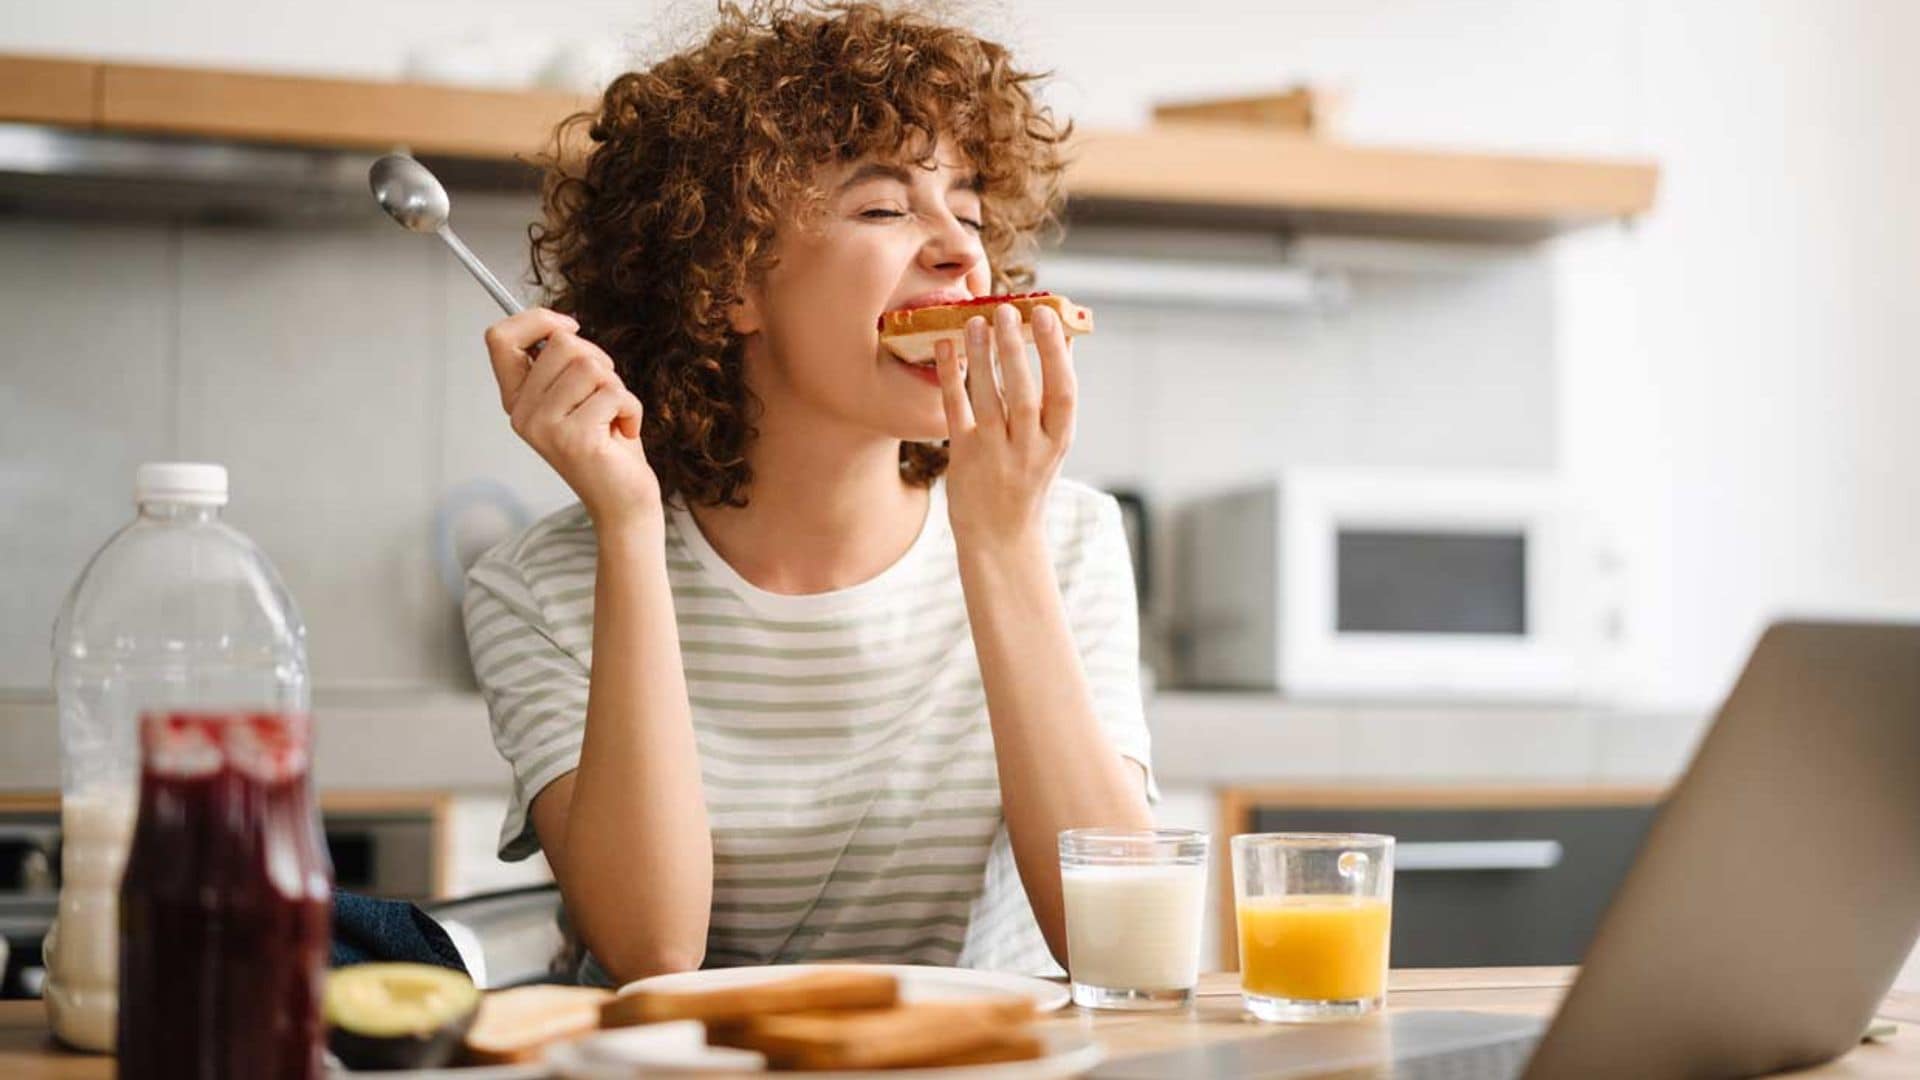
1226, 739
27, 1053
363, 741
440, 741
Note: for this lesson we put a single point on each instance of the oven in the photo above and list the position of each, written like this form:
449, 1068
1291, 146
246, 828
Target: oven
380, 847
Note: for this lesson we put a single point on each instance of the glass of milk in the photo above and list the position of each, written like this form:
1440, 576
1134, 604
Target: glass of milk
1134, 900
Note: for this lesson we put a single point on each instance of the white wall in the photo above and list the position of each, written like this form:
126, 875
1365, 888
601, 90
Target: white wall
1773, 430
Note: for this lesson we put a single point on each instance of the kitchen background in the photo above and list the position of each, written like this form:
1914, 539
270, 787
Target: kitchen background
1724, 387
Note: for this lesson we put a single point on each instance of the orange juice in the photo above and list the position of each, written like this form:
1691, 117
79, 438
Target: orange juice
1317, 948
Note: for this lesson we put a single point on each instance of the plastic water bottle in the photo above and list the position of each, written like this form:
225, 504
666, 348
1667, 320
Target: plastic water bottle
178, 611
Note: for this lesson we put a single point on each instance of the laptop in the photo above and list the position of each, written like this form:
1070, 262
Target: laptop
1763, 921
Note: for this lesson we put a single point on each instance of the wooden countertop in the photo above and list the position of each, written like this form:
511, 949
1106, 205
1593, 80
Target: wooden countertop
27, 1053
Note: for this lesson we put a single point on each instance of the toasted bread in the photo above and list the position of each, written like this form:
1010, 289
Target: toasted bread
910, 333
1006, 1046
515, 1025
814, 991
905, 1035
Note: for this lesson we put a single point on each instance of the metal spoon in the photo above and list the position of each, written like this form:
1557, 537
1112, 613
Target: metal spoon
411, 195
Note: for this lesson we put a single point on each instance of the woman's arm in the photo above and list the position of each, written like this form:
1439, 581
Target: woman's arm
626, 832
1058, 770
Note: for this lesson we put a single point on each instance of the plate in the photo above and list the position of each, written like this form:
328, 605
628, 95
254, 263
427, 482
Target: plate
533, 1070
679, 1049
917, 982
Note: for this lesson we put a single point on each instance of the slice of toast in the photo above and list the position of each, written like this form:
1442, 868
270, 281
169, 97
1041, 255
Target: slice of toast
515, 1025
1006, 1046
904, 1035
813, 991
911, 333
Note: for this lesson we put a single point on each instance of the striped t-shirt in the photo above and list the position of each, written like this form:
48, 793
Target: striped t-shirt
844, 746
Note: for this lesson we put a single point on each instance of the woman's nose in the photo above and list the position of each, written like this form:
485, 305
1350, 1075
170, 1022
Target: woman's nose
951, 248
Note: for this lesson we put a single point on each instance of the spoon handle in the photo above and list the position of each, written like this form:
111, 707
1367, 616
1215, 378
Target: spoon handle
480, 273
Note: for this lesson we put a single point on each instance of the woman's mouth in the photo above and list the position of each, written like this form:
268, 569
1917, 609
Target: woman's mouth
925, 372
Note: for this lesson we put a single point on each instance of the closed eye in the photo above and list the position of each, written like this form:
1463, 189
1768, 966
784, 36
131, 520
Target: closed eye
880, 213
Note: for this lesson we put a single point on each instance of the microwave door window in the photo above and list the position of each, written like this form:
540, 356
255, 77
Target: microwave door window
1393, 582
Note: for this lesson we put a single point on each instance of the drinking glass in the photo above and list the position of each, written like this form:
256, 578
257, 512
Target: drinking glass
1134, 903
1315, 912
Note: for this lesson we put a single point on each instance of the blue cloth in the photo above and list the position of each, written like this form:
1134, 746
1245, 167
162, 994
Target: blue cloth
366, 930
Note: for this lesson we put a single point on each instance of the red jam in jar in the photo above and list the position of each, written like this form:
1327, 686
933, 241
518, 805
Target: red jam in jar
225, 905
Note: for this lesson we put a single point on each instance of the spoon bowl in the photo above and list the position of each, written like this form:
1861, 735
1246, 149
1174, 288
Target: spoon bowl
411, 195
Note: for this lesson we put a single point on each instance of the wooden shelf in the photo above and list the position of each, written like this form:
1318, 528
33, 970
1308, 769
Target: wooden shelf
40, 91
1207, 171
331, 112
1197, 173
287, 109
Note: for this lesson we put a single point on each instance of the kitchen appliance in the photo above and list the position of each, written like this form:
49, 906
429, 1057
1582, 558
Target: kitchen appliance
1381, 583
375, 852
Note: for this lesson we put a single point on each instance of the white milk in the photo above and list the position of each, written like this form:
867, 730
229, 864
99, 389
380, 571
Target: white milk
83, 946
1134, 927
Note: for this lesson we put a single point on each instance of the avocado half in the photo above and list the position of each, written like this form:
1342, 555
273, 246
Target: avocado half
397, 1016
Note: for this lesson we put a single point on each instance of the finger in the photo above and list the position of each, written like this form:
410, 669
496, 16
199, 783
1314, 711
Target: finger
982, 388
564, 349
1056, 373
544, 408
601, 408
1016, 374
508, 344
627, 420
571, 390
953, 389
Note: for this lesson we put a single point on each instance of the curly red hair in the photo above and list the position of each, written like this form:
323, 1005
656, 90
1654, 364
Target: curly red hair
691, 168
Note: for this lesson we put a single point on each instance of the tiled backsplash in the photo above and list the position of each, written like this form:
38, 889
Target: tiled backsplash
338, 372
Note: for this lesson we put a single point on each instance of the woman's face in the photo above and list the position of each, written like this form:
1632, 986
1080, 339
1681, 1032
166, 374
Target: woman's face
890, 234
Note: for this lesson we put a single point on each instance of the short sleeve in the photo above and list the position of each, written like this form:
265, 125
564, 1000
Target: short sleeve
1096, 583
535, 690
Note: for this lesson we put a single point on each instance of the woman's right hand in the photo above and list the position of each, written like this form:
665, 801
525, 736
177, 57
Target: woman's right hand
569, 404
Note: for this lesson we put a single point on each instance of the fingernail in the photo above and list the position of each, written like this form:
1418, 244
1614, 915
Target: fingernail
1007, 315
976, 332
1044, 318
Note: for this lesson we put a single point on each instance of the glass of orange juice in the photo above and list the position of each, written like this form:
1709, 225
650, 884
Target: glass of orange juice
1315, 911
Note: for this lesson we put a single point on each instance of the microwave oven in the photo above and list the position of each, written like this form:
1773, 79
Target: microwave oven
1367, 583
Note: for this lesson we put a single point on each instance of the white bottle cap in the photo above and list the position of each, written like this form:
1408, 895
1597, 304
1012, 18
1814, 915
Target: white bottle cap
180, 481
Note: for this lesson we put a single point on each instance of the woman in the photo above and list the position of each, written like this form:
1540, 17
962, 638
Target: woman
794, 681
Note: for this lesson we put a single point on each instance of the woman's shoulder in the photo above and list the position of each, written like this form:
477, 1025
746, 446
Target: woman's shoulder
560, 543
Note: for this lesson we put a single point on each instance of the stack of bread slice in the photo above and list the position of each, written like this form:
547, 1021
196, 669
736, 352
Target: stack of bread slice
843, 1020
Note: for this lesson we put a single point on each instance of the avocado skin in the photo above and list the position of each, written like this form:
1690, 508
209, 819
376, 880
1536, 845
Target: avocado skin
417, 1050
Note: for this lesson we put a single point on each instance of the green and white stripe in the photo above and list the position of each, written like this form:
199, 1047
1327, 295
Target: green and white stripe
844, 743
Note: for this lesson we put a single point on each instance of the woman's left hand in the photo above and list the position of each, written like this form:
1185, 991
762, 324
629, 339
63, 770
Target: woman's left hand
1007, 434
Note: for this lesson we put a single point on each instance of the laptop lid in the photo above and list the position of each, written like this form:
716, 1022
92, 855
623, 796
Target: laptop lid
1778, 891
